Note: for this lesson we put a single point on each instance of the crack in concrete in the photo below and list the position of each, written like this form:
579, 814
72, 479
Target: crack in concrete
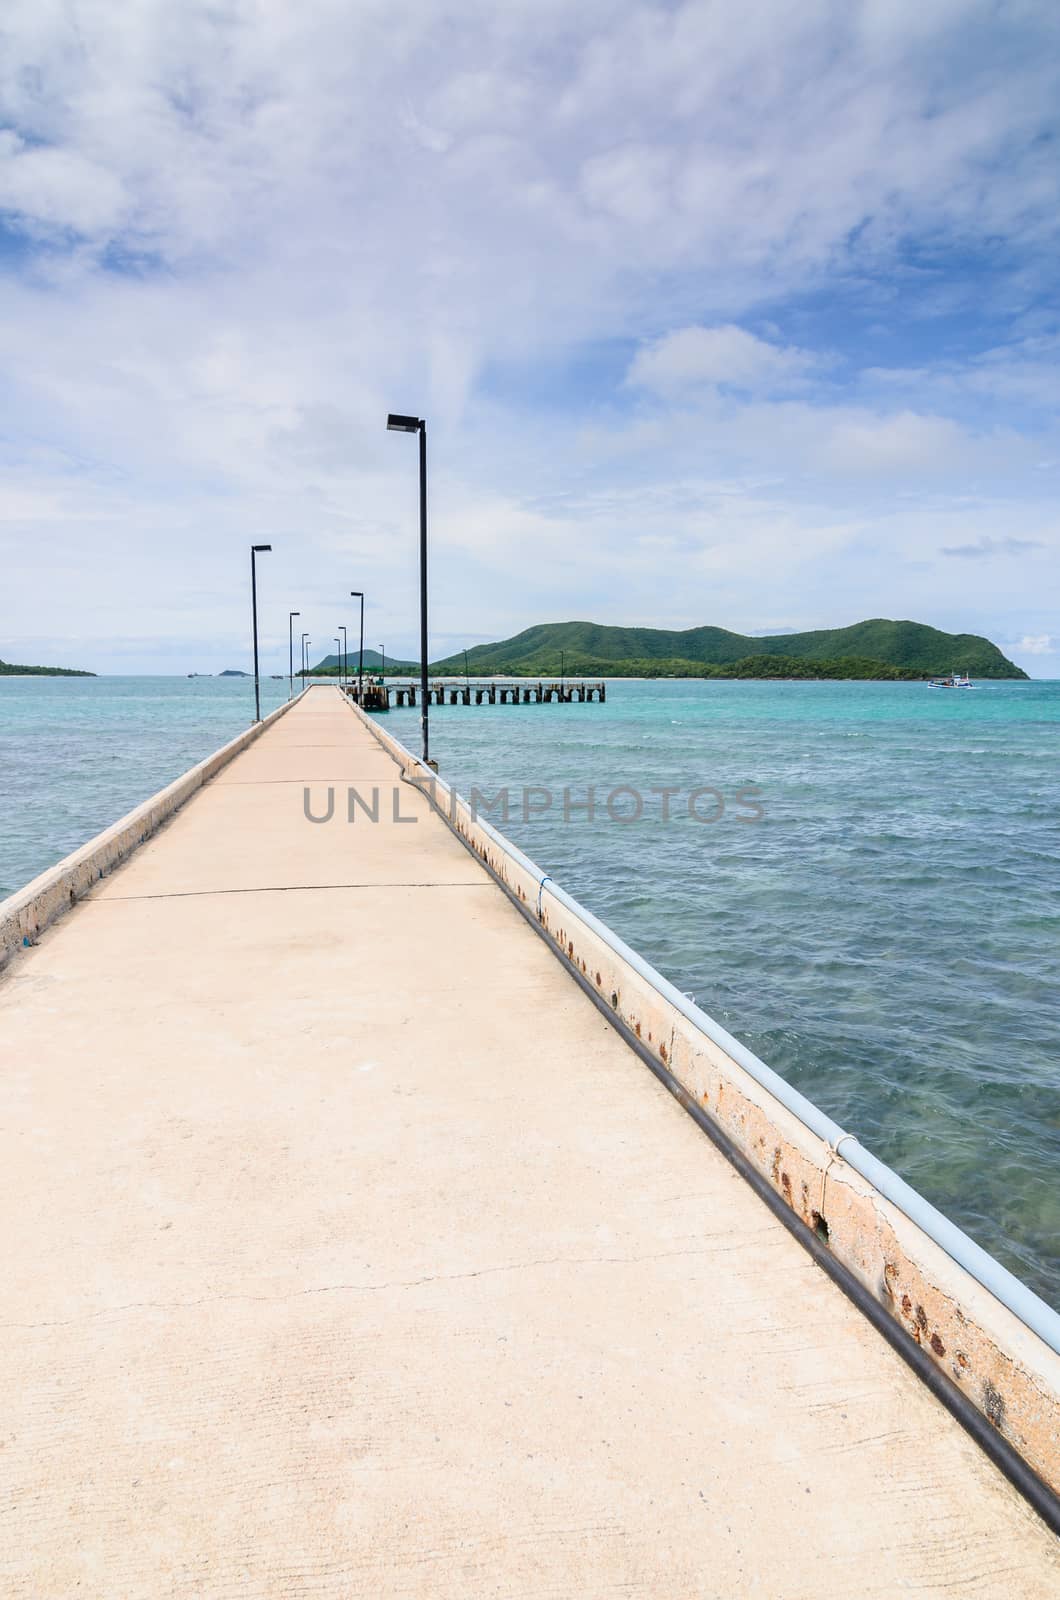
372, 1288
284, 888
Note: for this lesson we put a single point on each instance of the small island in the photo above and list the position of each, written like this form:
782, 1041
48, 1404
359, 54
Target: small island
879, 648
9, 669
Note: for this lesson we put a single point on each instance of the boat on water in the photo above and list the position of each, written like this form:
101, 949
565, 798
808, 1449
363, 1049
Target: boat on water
954, 681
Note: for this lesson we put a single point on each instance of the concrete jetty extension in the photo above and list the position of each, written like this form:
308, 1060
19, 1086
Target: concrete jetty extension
350, 1252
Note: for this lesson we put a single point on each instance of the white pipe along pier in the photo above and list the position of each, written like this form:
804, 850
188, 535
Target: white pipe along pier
351, 1249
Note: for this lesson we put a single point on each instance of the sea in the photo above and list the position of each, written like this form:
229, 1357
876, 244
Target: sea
859, 880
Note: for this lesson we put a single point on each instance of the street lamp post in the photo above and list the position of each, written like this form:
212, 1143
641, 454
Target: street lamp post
254, 551
345, 654
338, 654
290, 652
357, 595
305, 657
400, 424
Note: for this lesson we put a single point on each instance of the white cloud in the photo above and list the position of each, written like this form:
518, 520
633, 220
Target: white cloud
1007, 546
326, 211
898, 445
726, 355
1023, 373
629, 183
1040, 644
57, 188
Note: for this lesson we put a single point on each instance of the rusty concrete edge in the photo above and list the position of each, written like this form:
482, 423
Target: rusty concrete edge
27, 913
990, 1366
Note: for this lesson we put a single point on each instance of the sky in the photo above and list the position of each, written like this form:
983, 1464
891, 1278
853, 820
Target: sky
731, 313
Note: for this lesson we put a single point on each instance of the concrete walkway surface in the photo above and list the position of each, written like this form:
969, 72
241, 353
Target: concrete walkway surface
350, 1252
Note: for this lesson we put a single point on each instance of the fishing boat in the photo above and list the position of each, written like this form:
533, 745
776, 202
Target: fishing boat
954, 681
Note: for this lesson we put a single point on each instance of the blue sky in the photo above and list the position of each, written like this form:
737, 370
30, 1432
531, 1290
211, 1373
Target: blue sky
719, 313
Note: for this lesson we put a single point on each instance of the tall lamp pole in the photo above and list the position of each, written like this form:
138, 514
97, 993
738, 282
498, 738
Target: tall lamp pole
255, 549
290, 652
338, 654
399, 424
357, 595
305, 657
345, 653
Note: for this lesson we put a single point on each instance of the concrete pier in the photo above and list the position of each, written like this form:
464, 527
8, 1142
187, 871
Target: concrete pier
349, 1251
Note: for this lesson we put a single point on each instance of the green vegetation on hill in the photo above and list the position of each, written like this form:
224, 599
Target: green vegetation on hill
754, 667
576, 666
868, 649
372, 662
8, 669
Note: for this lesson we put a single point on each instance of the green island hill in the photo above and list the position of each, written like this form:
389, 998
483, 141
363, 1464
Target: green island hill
9, 669
330, 666
876, 649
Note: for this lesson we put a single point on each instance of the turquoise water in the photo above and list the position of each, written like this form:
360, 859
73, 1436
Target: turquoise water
77, 753
887, 935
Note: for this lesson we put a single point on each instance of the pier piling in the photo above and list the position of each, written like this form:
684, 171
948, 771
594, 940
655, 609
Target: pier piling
441, 692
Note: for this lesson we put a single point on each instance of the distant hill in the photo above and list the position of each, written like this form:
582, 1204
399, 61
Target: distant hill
234, 672
596, 648
8, 669
372, 662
